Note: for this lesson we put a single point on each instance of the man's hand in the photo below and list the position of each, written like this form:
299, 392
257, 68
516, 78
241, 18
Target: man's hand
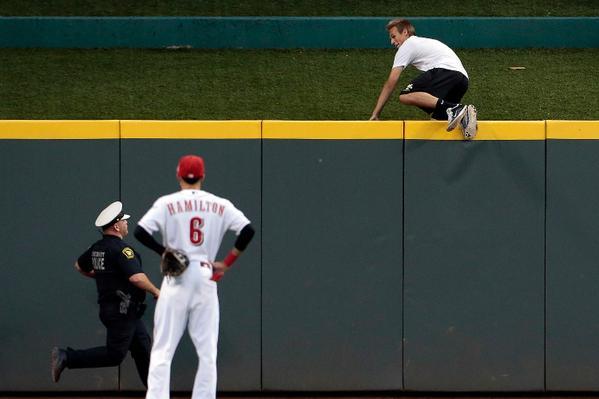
141, 281
386, 92
218, 270
90, 274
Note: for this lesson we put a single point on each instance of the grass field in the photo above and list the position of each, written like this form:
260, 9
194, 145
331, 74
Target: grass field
276, 84
302, 7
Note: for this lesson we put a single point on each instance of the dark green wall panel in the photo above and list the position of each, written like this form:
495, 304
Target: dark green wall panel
474, 265
51, 194
572, 265
332, 265
233, 172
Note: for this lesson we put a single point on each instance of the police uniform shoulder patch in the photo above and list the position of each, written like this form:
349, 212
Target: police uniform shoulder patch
128, 252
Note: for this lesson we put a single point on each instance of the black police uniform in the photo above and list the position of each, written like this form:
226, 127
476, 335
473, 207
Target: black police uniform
121, 307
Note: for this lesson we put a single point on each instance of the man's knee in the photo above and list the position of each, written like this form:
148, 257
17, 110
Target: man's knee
116, 355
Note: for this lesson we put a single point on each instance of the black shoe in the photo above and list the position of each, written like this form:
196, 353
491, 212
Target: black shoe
59, 362
454, 116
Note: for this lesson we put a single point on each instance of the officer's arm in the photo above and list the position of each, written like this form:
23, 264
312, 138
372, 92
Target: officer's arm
146, 239
91, 273
141, 281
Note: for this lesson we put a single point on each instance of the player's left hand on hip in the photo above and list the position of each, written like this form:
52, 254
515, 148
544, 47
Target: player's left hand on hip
218, 270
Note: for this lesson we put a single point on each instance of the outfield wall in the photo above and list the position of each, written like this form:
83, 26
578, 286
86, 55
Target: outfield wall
292, 32
389, 255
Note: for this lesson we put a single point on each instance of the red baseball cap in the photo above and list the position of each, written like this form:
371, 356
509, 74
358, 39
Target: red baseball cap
190, 167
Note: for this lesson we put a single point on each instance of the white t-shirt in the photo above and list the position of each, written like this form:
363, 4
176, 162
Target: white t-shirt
193, 221
425, 54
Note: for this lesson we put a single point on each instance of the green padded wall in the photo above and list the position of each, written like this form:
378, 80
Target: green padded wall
332, 268
572, 270
474, 265
52, 192
424, 264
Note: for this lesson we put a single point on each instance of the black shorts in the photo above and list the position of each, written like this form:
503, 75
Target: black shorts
441, 83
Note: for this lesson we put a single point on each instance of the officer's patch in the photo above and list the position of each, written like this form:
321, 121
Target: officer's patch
128, 252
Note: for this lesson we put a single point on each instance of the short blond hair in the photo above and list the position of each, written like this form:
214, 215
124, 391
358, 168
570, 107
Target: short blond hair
402, 24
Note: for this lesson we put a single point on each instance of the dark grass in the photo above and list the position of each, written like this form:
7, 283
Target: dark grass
281, 84
300, 8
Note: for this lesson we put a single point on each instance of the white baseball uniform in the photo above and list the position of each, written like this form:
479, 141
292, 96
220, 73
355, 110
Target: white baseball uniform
194, 222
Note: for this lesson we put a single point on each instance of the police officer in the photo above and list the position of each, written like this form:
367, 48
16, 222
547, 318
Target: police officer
122, 287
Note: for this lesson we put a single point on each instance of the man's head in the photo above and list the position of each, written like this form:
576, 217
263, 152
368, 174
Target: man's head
190, 169
113, 221
399, 31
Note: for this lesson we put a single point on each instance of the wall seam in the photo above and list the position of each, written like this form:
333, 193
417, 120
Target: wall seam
545, 270
261, 254
403, 254
120, 180
120, 163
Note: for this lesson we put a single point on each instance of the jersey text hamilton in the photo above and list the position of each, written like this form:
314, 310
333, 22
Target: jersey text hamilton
194, 205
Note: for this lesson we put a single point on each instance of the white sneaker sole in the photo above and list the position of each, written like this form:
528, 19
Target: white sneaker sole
470, 125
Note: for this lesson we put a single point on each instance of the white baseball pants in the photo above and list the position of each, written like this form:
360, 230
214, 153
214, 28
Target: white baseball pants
188, 300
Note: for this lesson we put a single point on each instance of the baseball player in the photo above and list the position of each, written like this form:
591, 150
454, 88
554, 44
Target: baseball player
122, 287
439, 89
194, 222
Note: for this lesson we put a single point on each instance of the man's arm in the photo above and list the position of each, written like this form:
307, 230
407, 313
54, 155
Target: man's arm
146, 239
90, 274
243, 239
141, 281
386, 92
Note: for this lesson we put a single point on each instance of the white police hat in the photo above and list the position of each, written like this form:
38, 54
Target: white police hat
111, 214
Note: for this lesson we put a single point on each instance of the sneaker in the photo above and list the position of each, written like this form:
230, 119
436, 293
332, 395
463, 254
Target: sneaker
469, 124
58, 363
454, 116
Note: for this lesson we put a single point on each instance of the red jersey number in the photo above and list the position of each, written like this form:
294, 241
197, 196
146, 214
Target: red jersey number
195, 231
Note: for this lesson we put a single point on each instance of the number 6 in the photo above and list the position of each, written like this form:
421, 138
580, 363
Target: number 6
195, 233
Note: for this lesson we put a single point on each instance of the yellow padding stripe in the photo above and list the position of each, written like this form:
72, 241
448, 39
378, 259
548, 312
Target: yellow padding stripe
58, 130
573, 130
487, 130
332, 130
191, 129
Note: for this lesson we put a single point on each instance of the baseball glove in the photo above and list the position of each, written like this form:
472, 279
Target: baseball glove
173, 263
